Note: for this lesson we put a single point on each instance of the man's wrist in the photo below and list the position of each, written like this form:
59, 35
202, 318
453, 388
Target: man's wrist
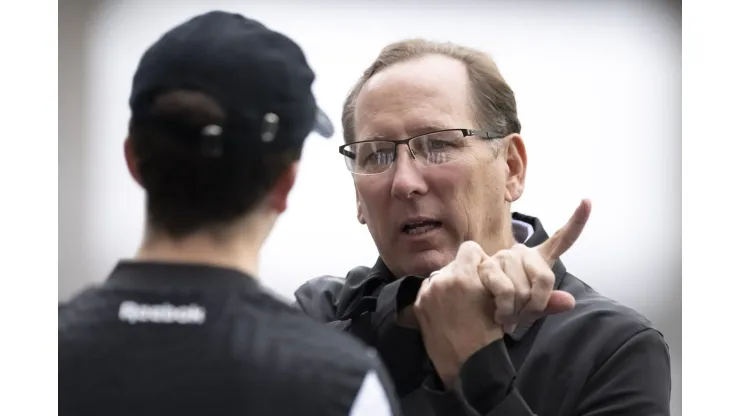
449, 368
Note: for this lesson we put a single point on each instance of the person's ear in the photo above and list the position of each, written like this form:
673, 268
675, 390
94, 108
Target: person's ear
516, 161
278, 196
131, 160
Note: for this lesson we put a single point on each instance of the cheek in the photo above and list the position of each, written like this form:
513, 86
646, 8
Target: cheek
471, 198
372, 195
490, 197
374, 210
456, 190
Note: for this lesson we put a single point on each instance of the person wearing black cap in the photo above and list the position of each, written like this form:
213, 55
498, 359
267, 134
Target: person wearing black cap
221, 106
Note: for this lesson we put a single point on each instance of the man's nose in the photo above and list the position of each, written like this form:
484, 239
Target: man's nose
408, 180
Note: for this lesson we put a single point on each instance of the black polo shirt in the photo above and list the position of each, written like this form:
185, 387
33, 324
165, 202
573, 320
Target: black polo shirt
177, 339
601, 358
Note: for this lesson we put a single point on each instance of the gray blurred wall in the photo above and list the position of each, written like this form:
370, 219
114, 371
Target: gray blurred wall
74, 18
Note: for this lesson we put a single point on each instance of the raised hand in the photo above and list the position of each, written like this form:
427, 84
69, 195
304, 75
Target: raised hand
521, 278
473, 300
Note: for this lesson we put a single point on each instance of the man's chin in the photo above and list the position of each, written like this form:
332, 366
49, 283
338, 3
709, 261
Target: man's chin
424, 263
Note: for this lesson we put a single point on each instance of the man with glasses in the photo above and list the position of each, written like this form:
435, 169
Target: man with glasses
468, 304
370, 157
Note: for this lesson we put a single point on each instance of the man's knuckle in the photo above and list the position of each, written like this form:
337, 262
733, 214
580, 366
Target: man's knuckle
423, 297
431, 288
545, 278
465, 270
507, 291
456, 281
424, 290
505, 255
468, 245
442, 283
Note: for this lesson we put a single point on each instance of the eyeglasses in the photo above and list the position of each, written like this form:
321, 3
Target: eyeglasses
371, 157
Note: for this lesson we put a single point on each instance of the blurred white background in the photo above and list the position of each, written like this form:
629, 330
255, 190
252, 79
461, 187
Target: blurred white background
598, 86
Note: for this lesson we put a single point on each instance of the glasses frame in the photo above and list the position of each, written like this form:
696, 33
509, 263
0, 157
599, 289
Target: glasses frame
343, 149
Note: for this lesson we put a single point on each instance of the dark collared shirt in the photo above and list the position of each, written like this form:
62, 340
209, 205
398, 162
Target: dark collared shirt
169, 339
602, 358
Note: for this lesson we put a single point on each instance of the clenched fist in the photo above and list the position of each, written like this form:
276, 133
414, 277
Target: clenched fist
455, 312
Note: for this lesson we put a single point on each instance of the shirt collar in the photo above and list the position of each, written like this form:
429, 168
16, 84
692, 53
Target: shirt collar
132, 274
523, 231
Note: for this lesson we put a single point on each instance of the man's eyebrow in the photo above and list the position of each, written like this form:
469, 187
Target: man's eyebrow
374, 137
416, 130
425, 128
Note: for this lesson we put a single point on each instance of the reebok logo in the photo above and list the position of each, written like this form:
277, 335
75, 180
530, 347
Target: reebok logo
164, 313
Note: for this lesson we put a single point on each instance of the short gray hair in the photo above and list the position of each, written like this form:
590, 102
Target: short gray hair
493, 103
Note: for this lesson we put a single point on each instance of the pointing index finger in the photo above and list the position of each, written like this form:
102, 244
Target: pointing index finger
565, 237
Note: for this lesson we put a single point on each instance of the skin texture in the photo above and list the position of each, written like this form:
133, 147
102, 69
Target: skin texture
471, 196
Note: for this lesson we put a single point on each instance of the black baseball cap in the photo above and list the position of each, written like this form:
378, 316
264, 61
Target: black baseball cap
258, 76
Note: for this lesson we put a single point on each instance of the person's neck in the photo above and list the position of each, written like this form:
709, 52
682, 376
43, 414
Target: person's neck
229, 252
500, 241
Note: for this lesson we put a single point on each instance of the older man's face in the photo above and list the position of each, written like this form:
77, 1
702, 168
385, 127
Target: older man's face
419, 215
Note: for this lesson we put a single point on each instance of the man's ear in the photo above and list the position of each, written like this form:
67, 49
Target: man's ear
131, 161
360, 215
516, 161
278, 197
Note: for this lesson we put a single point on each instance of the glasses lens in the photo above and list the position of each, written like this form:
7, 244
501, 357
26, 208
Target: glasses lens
438, 148
368, 158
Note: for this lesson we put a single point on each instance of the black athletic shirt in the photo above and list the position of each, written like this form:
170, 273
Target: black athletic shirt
176, 339
599, 359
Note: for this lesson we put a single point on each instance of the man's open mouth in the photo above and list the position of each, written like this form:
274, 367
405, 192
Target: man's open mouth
420, 227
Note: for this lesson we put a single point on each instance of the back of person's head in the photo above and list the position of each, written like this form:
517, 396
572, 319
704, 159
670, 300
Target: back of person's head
493, 100
191, 187
221, 106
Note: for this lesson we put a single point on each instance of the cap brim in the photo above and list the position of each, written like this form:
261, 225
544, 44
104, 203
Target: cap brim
323, 125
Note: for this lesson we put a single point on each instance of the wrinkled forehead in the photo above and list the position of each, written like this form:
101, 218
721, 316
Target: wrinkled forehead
412, 98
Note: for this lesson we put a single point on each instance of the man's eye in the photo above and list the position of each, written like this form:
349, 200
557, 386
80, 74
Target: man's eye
439, 144
380, 157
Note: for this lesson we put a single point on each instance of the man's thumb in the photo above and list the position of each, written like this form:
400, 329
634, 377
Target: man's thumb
560, 301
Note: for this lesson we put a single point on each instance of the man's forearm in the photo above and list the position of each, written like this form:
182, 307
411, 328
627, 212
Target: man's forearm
484, 387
